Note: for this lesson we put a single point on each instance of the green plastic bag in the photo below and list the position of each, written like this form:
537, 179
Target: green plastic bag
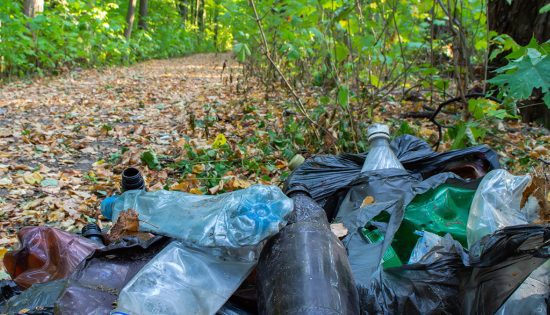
441, 210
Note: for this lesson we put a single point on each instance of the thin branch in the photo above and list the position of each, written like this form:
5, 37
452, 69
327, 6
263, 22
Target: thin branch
267, 54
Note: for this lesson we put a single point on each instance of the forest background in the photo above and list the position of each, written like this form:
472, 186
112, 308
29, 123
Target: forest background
79, 101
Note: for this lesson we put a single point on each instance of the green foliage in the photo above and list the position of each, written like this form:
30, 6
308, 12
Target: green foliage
91, 33
528, 68
150, 158
359, 53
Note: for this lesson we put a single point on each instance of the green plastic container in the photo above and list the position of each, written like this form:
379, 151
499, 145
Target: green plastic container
442, 210
390, 258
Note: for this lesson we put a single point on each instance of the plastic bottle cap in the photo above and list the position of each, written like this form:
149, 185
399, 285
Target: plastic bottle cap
107, 206
296, 161
378, 130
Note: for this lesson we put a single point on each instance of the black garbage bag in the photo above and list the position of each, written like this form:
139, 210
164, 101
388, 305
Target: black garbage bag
392, 190
427, 287
500, 263
328, 177
97, 281
430, 286
8, 289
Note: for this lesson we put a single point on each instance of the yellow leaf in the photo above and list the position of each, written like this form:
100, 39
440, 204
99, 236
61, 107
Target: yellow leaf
236, 183
219, 141
33, 178
198, 168
367, 201
196, 191
3, 251
280, 164
183, 186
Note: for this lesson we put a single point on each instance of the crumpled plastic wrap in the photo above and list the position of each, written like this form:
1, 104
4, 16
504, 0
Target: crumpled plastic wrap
186, 280
46, 254
496, 204
430, 246
240, 218
95, 284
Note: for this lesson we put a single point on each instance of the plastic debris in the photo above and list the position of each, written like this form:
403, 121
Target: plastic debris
95, 284
328, 177
236, 219
496, 204
46, 254
38, 299
304, 269
181, 279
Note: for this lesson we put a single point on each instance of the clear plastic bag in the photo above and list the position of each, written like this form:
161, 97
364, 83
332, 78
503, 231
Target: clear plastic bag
185, 280
241, 218
496, 204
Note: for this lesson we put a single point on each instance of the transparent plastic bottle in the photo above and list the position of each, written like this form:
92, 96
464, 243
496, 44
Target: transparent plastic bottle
239, 218
380, 155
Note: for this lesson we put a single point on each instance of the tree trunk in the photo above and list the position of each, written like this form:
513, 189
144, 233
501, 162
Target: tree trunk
32, 7
521, 21
201, 14
197, 11
130, 18
216, 27
183, 9
143, 8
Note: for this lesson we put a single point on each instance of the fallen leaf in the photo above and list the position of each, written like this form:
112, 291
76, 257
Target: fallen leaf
183, 186
219, 141
196, 191
367, 201
49, 182
339, 230
127, 224
237, 183
33, 178
5, 181
198, 168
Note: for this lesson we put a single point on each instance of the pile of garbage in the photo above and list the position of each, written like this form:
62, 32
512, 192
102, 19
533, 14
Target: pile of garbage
411, 231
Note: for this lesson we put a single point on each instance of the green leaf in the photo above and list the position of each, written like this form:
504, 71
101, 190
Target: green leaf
341, 52
343, 96
545, 9
546, 99
241, 50
150, 158
523, 75
458, 135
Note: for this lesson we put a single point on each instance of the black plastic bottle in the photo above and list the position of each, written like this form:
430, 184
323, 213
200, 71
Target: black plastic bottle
93, 232
304, 269
132, 180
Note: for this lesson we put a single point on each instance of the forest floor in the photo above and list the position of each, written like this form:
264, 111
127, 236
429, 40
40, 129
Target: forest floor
66, 139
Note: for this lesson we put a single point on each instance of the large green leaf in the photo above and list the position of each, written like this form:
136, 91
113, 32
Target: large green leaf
521, 76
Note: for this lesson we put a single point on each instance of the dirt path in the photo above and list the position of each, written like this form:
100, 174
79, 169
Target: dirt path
63, 139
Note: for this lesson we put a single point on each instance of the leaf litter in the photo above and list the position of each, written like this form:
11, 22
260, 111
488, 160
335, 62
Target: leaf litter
192, 124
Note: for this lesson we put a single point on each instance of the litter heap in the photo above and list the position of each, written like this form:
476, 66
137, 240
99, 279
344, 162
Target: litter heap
419, 232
